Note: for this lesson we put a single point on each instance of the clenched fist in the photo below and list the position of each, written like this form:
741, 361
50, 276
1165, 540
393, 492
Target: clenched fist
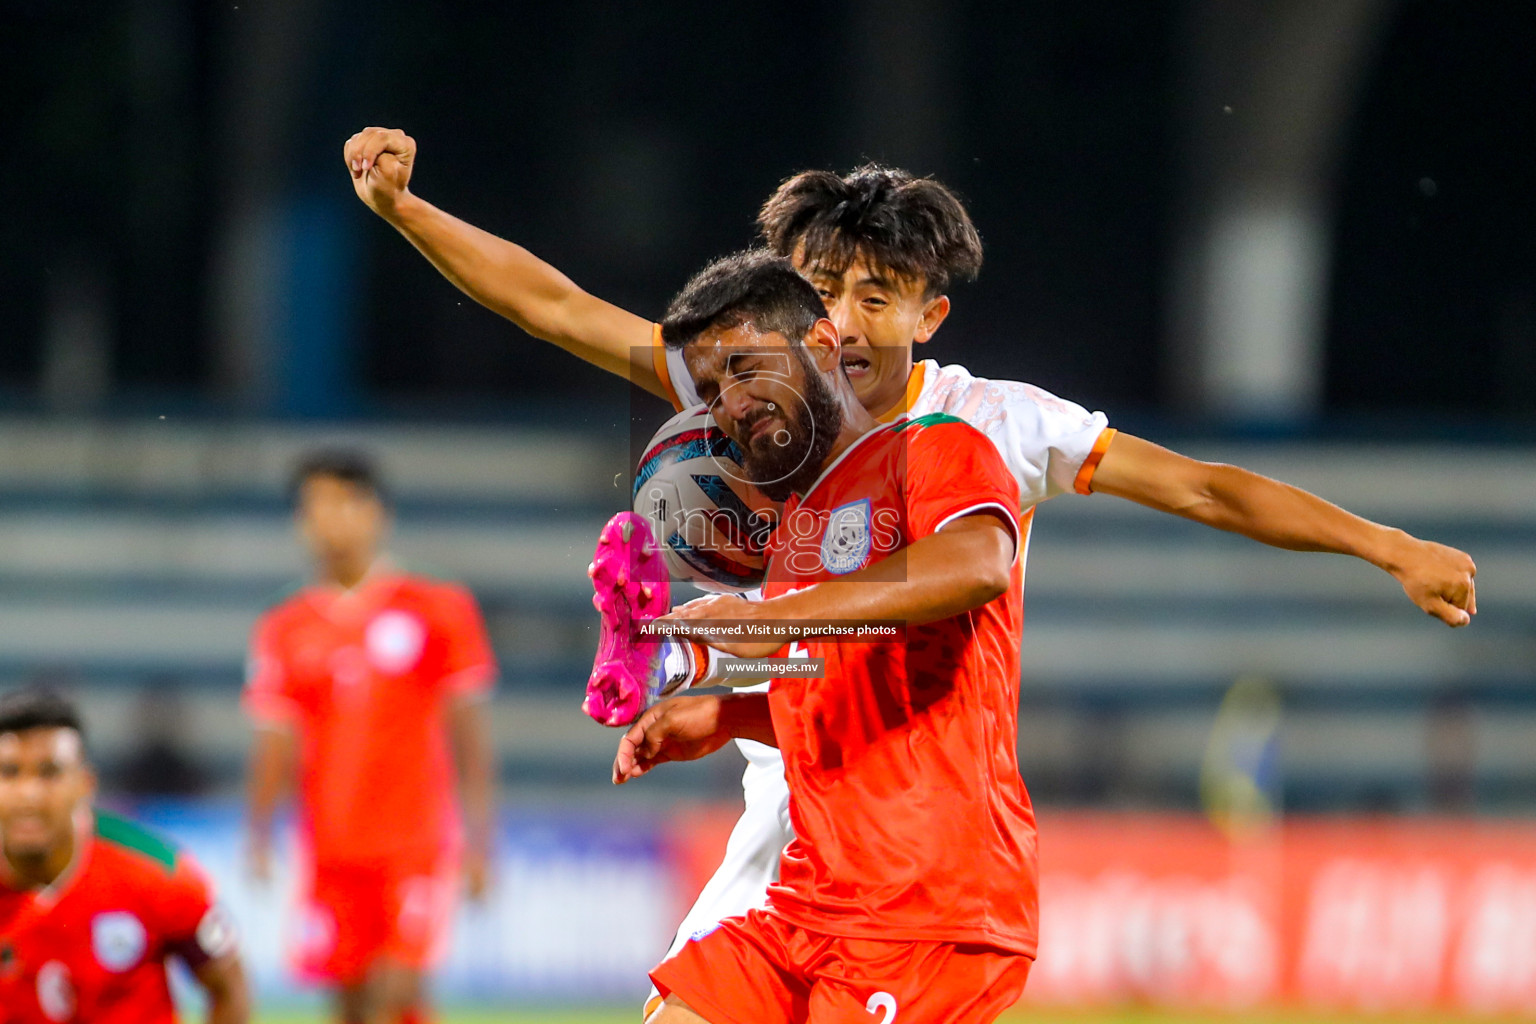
1439, 579
380, 161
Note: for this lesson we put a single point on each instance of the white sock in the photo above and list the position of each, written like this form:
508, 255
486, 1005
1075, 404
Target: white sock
679, 666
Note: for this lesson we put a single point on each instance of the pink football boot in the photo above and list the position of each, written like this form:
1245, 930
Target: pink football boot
629, 576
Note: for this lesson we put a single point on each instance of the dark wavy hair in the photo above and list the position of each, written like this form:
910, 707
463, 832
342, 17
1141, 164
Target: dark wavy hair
914, 227
754, 286
23, 710
344, 464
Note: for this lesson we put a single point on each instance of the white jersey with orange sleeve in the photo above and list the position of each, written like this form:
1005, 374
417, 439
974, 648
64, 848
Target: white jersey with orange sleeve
1049, 444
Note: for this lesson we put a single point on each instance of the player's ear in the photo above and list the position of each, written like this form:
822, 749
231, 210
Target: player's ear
824, 344
934, 312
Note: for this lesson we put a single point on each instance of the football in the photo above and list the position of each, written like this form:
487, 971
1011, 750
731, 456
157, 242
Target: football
691, 489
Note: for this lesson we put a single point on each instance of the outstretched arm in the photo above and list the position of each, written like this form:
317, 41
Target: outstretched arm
1437, 578
963, 566
503, 277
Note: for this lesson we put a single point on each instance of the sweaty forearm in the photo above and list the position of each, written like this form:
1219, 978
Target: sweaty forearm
1287, 517
494, 272
953, 571
513, 282
1437, 578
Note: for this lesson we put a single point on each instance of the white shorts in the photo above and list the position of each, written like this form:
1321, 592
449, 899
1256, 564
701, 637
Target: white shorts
751, 861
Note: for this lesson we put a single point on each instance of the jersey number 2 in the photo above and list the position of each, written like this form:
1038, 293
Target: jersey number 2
884, 1004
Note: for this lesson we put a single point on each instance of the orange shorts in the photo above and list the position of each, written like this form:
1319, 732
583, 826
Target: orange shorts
356, 914
759, 969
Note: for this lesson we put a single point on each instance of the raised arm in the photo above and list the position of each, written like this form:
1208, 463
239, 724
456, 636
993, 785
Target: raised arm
502, 276
1439, 579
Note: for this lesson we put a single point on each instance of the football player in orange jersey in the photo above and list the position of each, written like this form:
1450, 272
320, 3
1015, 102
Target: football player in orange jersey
911, 884
93, 906
368, 684
881, 247
883, 299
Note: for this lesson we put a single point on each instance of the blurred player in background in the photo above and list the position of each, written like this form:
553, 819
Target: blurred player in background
882, 249
370, 682
911, 884
92, 906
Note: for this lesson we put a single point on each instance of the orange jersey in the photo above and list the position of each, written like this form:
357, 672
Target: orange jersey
93, 945
366, 677
354, 915
910, 818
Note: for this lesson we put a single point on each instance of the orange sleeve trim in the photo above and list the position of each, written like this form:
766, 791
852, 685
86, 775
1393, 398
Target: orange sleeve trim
908, 400
1084, 482
701, 661
914, 385
659, 364
651, 1006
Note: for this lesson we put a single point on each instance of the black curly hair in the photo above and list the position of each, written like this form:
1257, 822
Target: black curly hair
754, 285
914, 227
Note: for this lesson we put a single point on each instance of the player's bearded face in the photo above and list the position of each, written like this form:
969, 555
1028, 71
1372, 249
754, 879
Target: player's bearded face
785, 445
43, 780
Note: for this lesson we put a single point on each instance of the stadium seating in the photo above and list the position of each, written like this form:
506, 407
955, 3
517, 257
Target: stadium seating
139, 553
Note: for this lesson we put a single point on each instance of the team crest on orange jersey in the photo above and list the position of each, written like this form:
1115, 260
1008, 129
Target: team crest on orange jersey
118, 939
395, 641
846, 542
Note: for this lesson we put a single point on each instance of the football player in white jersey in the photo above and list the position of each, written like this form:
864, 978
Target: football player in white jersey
882, 248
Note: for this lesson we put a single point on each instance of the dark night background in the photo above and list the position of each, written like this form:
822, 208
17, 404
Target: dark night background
1290, 235
628, 144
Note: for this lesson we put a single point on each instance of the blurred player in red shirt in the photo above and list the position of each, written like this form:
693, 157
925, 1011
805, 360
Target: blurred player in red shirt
371, 682
909, 892
92, 906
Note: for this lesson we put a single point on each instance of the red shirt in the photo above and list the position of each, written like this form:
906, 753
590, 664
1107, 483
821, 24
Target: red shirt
92, 946
366, 677
910, 818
